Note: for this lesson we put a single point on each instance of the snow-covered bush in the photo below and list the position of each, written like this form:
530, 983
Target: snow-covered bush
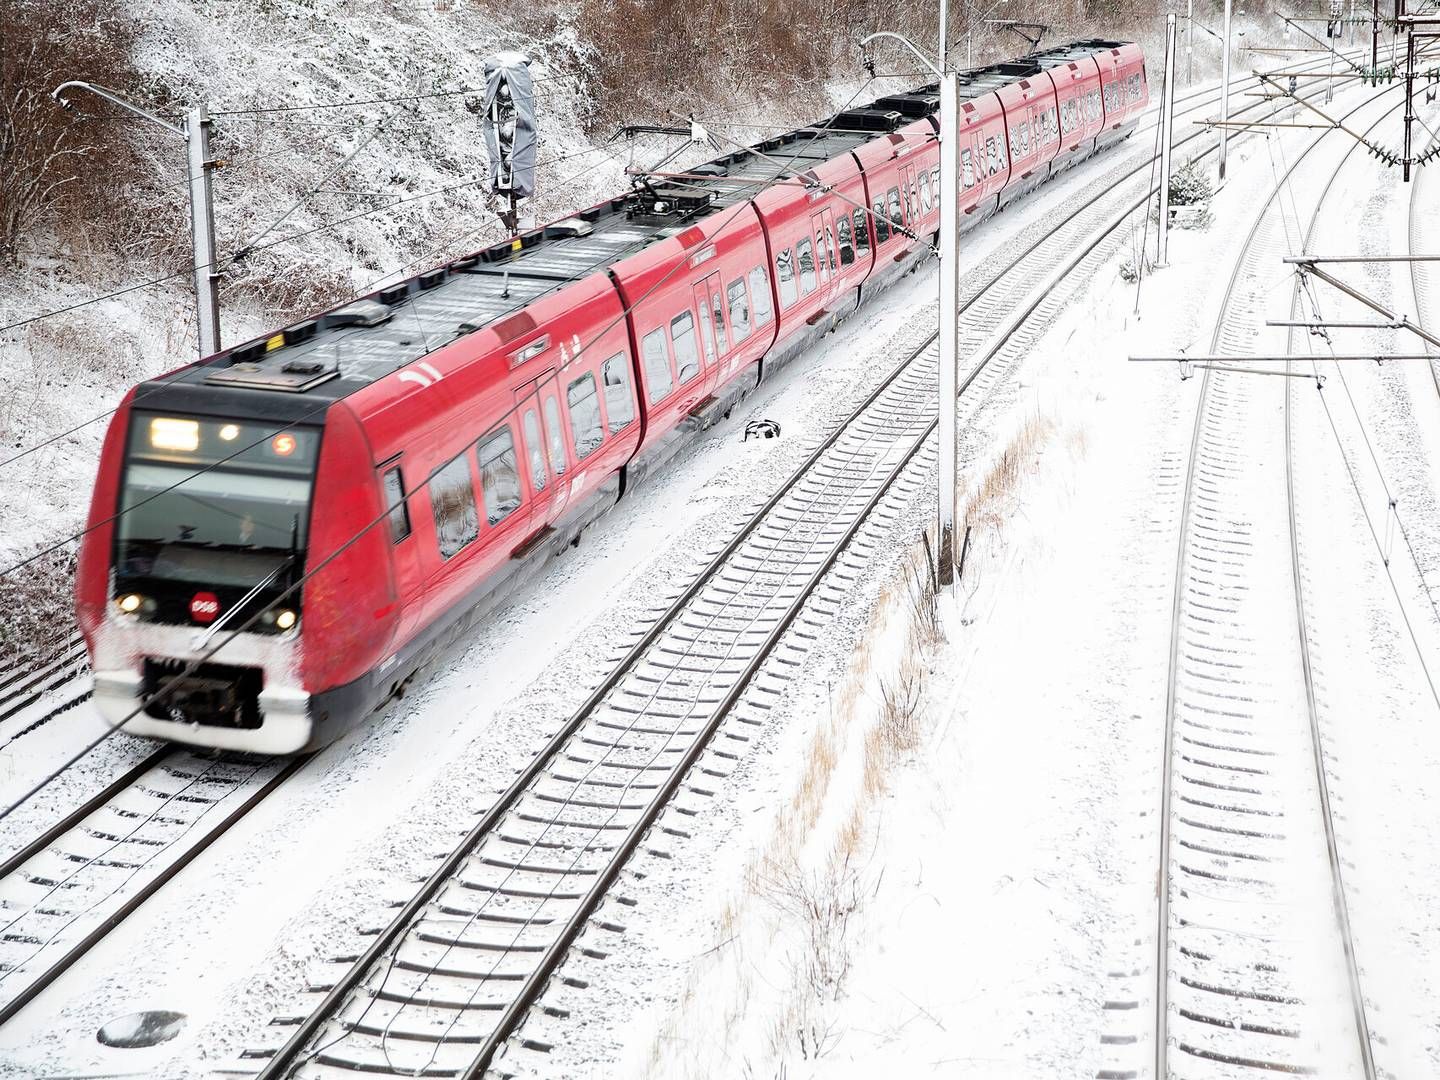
1189, 186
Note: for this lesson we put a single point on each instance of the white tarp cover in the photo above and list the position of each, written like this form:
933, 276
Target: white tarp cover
511, 143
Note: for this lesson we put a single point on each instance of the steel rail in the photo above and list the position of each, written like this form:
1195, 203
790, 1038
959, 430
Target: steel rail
1412, 233
1332, 849
1163, 881
132, 902
281, 1061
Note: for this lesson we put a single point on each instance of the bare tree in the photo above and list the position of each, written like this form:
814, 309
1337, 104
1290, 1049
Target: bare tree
43, 43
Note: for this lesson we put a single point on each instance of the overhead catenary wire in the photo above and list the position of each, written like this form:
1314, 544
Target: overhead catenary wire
27, 451
553, 376
459, 91
548, 379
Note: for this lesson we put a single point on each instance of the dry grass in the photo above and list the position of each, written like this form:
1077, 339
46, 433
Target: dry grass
36, 614
996, 494
897, 729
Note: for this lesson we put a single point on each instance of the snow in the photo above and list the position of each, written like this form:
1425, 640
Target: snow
958, 896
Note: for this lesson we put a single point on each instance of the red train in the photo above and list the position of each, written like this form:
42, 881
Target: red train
502, 402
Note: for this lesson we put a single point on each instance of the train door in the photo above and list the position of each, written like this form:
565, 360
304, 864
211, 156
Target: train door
711, 305
827, 267
707, 324
538, 404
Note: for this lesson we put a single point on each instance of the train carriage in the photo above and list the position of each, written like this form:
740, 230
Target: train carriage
281, 535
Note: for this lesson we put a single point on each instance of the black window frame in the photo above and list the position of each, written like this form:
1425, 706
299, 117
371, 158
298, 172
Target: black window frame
621, 361
800, 266
599, 429
785, 260
842, 240
646, 358
691, 338
760, 291
400, 505
534, 449
483, 462
456, 465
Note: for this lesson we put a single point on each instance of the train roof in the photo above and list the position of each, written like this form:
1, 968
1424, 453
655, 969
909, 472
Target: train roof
293, 374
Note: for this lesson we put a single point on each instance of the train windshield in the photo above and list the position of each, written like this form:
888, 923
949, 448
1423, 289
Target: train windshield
214, 502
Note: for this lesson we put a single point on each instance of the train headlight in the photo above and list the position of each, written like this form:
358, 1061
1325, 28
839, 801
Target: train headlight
169, 433
285, 619
130, 603
230, 432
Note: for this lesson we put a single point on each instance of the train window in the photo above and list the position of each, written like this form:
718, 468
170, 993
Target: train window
739, 309
847, 249
717, 316
785, 277
687, 355
537, 452
657, 366
862, 230
619, 406
935, 183
882, 223
967, 168
760, 293
820, 254
830, 246
499, 478
452, 497
927, 201
552, 434
806, 256
707, 331
392, 484
897, 222
912, 204
584, 415
990, 169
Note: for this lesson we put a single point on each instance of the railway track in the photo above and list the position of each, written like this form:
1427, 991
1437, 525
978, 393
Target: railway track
1421, 237
1255, 969
65, 890
452, 978
32, 696
633, 747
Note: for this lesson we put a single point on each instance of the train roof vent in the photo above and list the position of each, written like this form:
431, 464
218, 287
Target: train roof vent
360, 313
914, 106
867, 120
666, 205
292, 377
568, 229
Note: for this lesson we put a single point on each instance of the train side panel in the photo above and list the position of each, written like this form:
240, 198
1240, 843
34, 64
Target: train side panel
1030, 126
700, 314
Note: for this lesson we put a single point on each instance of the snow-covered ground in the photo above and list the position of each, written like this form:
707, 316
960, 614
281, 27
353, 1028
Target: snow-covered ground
931, 860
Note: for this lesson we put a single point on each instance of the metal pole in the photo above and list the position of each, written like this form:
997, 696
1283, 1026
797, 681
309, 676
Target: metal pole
1167, 131
1224, 84
202, 230
1375, 38
1330, 71
949, 320
1409, 99
1190, 42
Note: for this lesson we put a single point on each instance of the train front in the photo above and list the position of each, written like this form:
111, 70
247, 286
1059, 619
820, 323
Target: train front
195, 559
